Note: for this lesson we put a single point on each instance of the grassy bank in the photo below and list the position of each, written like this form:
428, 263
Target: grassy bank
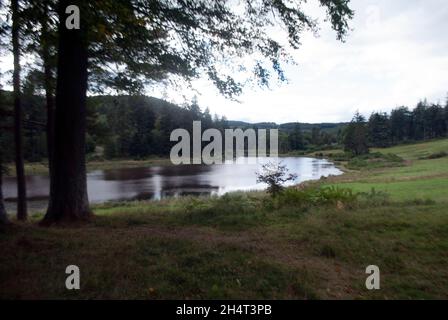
41, 168
417, 177
313, 243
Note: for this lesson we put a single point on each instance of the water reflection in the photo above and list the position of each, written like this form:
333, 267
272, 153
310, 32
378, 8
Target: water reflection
170, 181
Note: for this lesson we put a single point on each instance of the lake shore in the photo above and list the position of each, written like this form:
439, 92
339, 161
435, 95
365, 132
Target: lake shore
41, 168
247, 246
145, 181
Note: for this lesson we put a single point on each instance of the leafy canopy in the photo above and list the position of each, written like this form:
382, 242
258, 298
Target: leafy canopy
133, 43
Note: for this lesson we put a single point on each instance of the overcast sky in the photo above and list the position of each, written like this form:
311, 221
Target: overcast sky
396, 55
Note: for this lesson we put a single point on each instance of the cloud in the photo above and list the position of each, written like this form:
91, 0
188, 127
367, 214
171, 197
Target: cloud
395, 55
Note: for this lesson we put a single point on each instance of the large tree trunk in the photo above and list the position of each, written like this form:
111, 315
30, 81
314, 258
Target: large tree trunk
49, 88
68, 187
3, 215
18, 134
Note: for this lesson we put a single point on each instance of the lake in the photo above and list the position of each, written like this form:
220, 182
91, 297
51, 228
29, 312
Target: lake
157, 182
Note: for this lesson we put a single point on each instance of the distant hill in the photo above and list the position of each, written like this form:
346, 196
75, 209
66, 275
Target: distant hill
159, 106
331, 128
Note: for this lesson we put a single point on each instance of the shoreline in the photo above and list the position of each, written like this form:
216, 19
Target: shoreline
36, 205
41, 168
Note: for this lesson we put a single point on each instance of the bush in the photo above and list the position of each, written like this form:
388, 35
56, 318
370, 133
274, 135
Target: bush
316, 197
341, 156
437, 155
375, 160
374, 197
275, 175
421, 202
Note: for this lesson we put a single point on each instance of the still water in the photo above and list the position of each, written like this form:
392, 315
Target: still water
156, 182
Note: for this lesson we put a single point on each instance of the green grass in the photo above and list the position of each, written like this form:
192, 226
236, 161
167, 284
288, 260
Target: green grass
157, 250
418, 177
311, 243
418, 150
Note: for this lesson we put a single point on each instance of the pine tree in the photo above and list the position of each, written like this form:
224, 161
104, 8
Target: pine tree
401, 124
356, 136
379, 130
18, 112
296, 138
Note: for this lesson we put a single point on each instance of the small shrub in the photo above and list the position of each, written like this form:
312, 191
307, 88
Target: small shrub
421, 202
437, 155
275, 175
375, 160
315, 197
341, 156
195, 205
374, 197
333, 195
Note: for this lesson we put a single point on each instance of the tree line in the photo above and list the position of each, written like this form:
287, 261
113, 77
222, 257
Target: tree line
401, 125
138, 127
425, 121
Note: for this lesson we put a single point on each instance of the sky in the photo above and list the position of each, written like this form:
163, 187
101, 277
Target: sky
396, 54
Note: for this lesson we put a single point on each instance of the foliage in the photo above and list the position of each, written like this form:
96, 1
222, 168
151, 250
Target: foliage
230, 210
315, 196
339, 156
275, 175
379, 130
118, 122
375, 160
140, 42
374, 197
437, 155
356, 136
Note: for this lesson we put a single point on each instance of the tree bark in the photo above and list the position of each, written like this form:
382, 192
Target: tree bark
68, 186
18, 130
3, 214
49, 90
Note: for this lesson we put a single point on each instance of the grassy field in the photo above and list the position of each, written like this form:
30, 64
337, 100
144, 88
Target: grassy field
417, 178
246, 245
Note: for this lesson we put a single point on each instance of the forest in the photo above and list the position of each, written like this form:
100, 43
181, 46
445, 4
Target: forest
138, 127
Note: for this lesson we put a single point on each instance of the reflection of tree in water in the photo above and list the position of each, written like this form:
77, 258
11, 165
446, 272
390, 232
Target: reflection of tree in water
185, 170
315, 167
148, 172
162, 182
129, 173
